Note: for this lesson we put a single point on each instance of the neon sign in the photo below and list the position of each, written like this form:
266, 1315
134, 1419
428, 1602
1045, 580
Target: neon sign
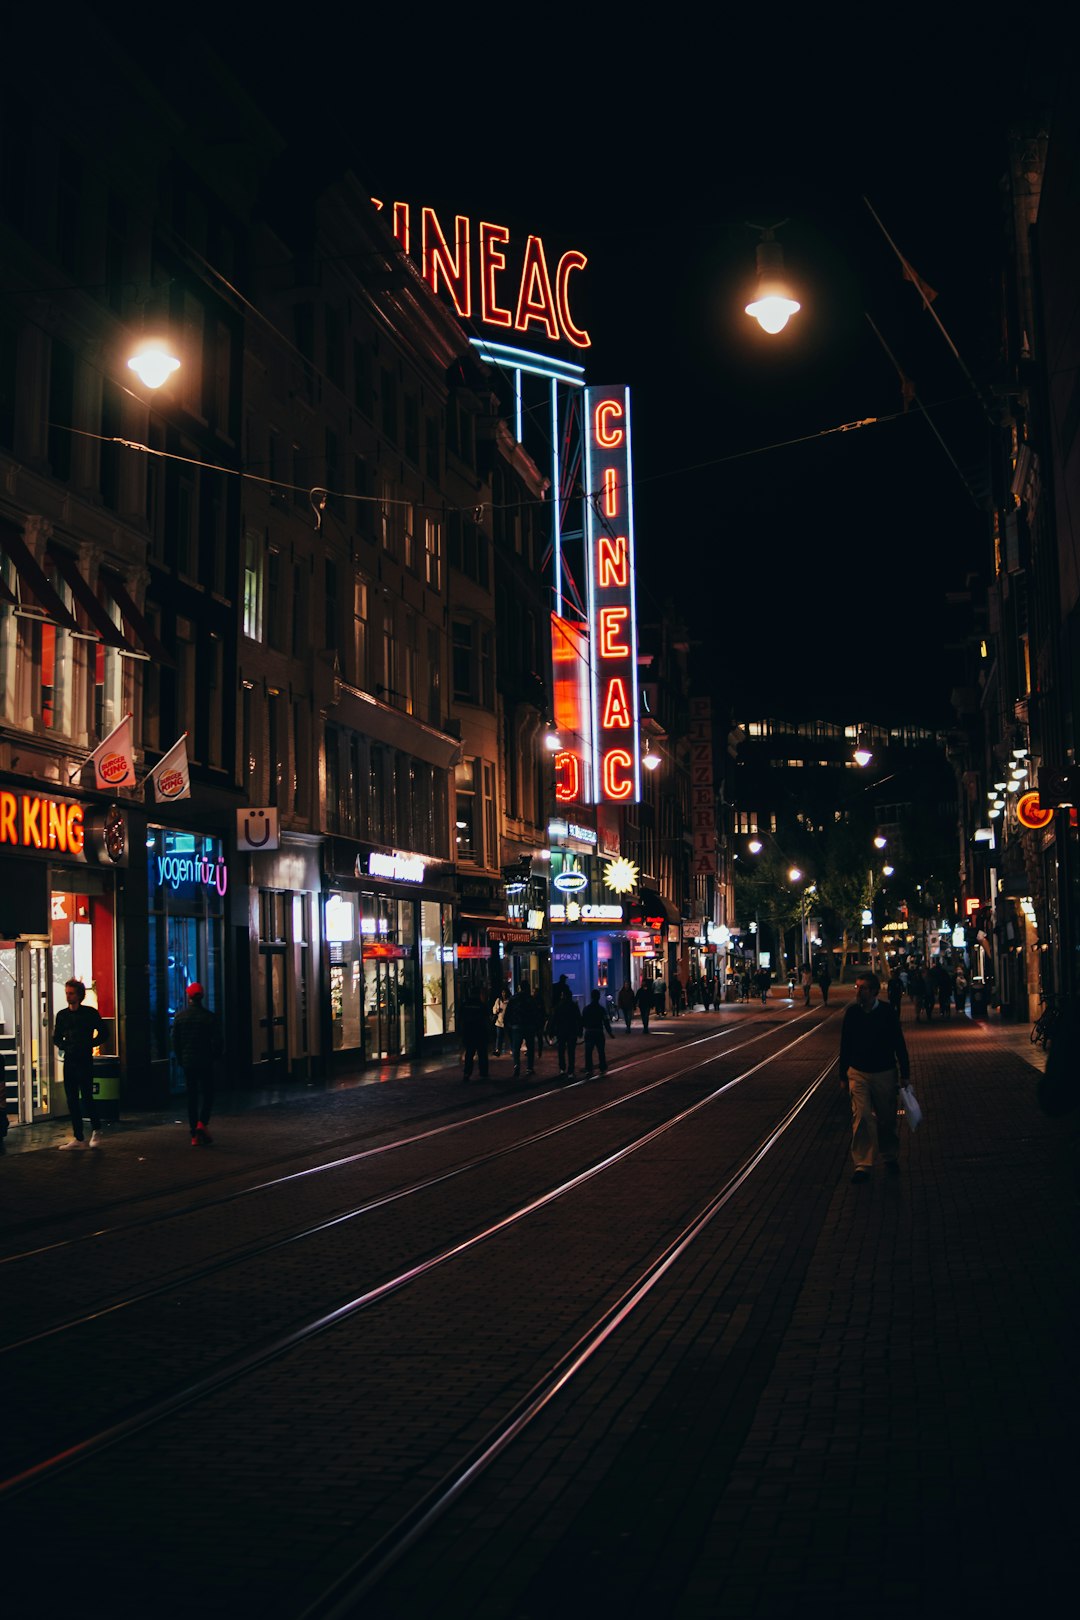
31, 821
1030, 813
488, 281
201, 870
612, 606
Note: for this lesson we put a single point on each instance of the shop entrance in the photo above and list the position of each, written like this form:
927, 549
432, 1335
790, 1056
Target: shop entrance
273, 1015
388, 1007
26, 1021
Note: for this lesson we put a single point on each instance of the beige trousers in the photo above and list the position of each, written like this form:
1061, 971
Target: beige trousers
873, 1116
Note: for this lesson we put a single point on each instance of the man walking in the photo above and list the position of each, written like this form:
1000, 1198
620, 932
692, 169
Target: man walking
473, 1025
521, 1016
872, 1049
597, 1026
197, 1045
76, 1032
646, 1002
625, 999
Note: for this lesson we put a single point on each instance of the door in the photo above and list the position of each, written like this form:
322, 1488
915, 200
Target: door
31, 1071
273, 1015
389, 1013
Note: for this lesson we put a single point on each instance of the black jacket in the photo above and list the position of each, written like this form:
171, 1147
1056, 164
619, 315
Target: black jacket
872, 1041
77, 1031
195, 1036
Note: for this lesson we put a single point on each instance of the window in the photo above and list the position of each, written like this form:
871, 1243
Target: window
363, 379
273, 615
186, 673
406, 665
389, 398
213, 545
300, 757
433, 464
408, 521
333, 779
335, 346
53, 660
491, 831
389, 682
361, 506
253, 586
216, 699
465, 819
183, 515
432, 554
463, 663
61, 408
434, 678
249, 762
275, 746
387, 517
412, 429
360, 641
333, 606
109, 462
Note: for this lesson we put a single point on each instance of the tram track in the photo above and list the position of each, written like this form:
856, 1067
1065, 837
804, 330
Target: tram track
344, 1161
258, 1356
368, 1206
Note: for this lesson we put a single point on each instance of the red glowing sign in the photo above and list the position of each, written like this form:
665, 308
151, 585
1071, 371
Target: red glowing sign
609, 539
1030, 813
488, 281
30, 821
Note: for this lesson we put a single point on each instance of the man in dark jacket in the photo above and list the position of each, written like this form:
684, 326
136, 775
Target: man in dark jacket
872, 1049
76, 1032
473, 1025
625, 999
566, 1023
646, 1001
197, 1045
524, 1017
597, 1026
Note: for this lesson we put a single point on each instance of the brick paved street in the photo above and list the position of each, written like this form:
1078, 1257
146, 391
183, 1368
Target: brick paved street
842, 1397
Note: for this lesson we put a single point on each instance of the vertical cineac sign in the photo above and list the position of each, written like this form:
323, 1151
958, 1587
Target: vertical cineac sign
612, 605
572, 710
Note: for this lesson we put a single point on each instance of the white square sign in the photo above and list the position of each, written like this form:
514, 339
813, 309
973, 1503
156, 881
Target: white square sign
257, 829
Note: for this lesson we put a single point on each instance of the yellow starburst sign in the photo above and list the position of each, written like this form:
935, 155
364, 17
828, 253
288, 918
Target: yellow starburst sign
621, 876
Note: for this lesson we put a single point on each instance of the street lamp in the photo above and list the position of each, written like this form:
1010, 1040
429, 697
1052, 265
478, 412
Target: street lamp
863, 753
153, 363
774, 306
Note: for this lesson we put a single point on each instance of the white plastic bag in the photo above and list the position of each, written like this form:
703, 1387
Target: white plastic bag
909, 1107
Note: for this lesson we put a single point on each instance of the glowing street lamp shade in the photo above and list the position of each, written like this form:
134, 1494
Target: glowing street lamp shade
773, 311
862, 756
755, 846
794, 875
880, 841
153, 364
650, 760
552, 740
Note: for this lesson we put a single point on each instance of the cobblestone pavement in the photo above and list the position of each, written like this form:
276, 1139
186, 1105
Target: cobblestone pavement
845, 1398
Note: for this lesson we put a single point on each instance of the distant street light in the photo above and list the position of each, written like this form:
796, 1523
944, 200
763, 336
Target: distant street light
880, 841
153, 364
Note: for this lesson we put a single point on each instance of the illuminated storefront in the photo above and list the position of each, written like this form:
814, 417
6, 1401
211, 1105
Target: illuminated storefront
388, 928
58, 920
187, 881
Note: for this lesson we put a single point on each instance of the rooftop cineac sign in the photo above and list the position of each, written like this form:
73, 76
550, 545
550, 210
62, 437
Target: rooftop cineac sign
489, 277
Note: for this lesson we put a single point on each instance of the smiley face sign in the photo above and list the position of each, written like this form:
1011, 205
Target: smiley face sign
257, 829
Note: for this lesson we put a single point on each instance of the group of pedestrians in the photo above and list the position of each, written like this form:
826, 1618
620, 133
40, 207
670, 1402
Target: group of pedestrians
939, 987
519, 1024
196, 1042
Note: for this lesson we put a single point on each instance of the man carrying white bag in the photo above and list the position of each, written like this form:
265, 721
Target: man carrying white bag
873, 1055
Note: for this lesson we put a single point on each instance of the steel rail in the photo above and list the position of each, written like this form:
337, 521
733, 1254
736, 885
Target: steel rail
342, 1162
339, 1600
249, 1362
255, 1251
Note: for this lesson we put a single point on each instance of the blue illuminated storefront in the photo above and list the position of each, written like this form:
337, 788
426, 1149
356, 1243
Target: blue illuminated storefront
187, 884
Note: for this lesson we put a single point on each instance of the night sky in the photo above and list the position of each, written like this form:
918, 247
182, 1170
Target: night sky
811, 575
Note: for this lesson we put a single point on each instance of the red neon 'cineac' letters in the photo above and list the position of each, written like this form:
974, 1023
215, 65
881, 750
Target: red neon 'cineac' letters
492, 259
568, 263
611, 493
617, 716
608, 438
536, 301
612, 562
617, 786
567, 776
612, 625
438, 262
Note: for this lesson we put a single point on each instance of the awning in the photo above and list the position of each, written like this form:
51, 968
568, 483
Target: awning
135, 621
652, 904
33, 578
68, 567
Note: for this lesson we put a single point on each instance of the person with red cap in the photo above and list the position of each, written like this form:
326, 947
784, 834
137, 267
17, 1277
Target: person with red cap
197, 1044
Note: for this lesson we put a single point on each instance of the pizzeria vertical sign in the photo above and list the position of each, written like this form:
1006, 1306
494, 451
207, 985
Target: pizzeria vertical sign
612, 604
702, 789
